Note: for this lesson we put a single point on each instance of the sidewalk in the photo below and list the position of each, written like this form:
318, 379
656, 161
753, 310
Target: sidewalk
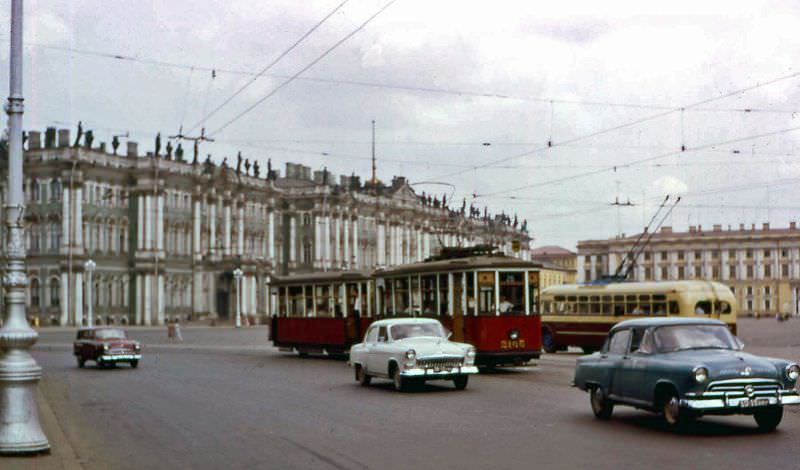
61, 456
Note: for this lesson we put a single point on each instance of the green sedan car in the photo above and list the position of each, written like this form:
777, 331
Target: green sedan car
685, 368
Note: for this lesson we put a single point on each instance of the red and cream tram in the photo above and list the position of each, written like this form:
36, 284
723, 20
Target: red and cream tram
490, 301
321, 312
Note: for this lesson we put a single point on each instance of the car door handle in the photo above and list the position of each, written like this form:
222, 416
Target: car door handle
604, 356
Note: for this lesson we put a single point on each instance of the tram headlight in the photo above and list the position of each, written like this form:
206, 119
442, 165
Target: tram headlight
700, 374
513, 335
793, 372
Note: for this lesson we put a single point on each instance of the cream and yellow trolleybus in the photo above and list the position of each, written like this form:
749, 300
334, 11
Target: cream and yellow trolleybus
582, 314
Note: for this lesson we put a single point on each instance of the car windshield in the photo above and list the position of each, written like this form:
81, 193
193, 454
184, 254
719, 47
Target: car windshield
412, 330
682, 337
110, 334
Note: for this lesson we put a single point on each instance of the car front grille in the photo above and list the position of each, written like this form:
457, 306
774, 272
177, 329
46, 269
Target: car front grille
440, 362
748, 387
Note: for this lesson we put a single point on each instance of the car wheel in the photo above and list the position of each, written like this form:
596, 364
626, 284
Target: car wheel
548, 343
768, 418
362, 377
400, 384
674, 415
135, 364
81, 362
461, 382
602, 407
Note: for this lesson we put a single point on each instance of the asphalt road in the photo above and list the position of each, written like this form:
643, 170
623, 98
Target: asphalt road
225, 399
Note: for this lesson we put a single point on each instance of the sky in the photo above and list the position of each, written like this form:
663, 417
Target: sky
548, 110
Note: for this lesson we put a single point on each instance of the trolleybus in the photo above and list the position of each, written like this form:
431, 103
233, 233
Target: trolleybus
582, 314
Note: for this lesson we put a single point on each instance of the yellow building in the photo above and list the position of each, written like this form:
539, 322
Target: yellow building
558, 265
761, 265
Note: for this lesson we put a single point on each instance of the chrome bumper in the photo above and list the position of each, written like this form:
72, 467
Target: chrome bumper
717, 401
119, 357
419, 372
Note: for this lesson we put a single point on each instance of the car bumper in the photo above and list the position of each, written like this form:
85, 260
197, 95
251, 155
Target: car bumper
703, 402
119, 357
419, 372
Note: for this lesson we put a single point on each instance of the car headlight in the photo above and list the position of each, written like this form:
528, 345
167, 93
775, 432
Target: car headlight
137, 347
793, 371
513, 335
700, 374
411, 354
471, 353
105, 347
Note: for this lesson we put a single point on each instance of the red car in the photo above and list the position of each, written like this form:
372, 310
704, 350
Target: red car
106, 346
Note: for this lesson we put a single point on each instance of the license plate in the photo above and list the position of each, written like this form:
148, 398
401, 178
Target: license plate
754, 402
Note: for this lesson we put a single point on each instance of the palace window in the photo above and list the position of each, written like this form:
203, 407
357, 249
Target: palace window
307, 253
663, 256
732, 272
681, 272
35, 191
732, 254
767, 271
750, 271
697, 255
35, 293
55, 190
785, 270
680, 255
664, 273
767, 253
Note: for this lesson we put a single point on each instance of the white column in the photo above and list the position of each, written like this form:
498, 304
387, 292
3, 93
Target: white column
196, 228
292, 238
240, 231
66, 219
420, 253
212, 227
337, 240
147, 300
317, 241
381, 245
226, 250
356, 263
139, 299
159, 225
197, 292
77, 222
64, 287
327, 242
253, 294
77, 288
346, 257
160, 300
271, 235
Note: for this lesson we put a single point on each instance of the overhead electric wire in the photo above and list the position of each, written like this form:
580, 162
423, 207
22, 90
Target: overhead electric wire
628, 124
637, 162
401, 87
301, 71
271, 64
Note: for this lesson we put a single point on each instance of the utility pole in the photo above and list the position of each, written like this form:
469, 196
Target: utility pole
20, 431
374, 177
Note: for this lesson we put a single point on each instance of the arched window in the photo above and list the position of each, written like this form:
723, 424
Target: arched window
55, 237
35, 192
35, 293
55, 293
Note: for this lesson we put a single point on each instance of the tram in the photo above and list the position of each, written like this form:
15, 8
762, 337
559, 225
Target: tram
582, 314
321, 312
486, 299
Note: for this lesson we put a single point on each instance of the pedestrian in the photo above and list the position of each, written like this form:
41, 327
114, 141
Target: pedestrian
178, 335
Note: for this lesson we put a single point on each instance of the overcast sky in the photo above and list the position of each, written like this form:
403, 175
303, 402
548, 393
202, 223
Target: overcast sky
444, 78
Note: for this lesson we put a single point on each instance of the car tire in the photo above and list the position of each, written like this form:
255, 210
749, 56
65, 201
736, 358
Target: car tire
362, 377
399, 382
81, 362
461, 382
768, 418
602, 407
548, 343
675, 417
134, 364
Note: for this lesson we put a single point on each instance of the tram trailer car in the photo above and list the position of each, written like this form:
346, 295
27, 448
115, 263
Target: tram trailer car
321, 312
488, 300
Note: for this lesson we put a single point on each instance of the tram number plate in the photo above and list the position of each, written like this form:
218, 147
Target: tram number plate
754, 402
512, 344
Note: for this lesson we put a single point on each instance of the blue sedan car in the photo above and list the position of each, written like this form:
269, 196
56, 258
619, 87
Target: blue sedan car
685, 368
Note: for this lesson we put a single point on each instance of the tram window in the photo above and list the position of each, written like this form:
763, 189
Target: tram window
572, 298
296, 301
619, 298
282, 307
486, 300
512, 293
546, 305
619, 310
429, 295
309, 300
533, 297
659, 308
722, 307
401, 296
352, 294
382, 296
659, 298
583, 308
632, 305
594, 298
674, 307
443, 291
471, 293
323, 294
606, 308
559, 298
415, 295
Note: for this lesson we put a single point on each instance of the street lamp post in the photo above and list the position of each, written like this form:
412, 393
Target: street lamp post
237, 273
20, 431
89, 267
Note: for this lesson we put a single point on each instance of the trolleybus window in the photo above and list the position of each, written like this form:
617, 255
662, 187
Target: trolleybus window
512, 293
